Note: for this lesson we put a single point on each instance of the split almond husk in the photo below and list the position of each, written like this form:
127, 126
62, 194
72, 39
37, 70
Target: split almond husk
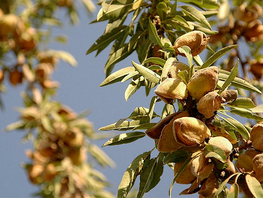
258, 167
167, 142
190, 131
201, 167
185, 177
209, 104
245, 160
209, 187
195, 40
202, 82
256, 136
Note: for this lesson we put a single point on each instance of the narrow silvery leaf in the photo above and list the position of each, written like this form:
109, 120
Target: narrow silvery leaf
131, 174
153, 34
218, 55
230, 78
124, 138
117, 76
147, 73
195, 15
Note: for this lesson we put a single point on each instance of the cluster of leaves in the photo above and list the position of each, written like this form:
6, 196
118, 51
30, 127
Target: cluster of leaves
61, 138
153, 29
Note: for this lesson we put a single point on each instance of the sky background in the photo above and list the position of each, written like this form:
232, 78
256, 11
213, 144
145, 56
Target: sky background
79, 89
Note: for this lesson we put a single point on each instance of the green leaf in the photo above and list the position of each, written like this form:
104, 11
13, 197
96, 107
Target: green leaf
131, 174
179, 20
158, 171
153, 35
147, 73
196, 15
254, 186
238, 82
100, 156
146, 177
124, 125
139, 112
155, 60
123, 52
15, 126
208, 4
103, 41
124, 138
257, 109
223, 184
117, 76
236, 125
215, 152
187, 51
246, 113
113, 11
65, 56
177, 156
203, 29
132, 88
242, 103
234, 191
130, 75
230, 78
218, 55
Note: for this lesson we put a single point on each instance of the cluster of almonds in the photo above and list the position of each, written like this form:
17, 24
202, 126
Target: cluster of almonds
246, 24
252, 159
15, 36
191, 129
60, 155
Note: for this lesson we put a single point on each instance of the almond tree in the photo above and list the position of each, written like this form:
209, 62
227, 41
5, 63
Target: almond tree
203, 59
62, 139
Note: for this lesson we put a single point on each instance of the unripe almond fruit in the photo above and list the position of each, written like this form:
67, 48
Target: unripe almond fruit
222, 143
190, 131
195, 40
28, 40
256, 68
209, 104
185, 177
202, 82
229, 95
77, 155
35, 173
50, 172
171, 88
256, 136
258, 167
15, 77
74, 137
2, 75
254, 31
201, 167
245, 160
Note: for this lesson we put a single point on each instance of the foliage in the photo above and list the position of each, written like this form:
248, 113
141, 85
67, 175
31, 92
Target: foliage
201, 133
62, 139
